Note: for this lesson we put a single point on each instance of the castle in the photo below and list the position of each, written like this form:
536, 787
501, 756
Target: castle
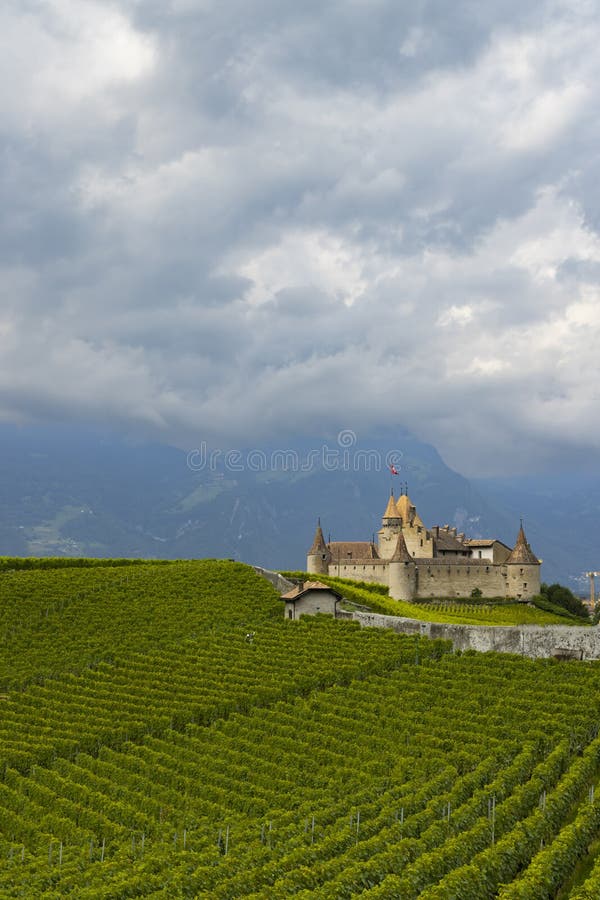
418, 562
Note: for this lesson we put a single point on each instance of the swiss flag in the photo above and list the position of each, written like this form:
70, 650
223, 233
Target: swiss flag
394, 470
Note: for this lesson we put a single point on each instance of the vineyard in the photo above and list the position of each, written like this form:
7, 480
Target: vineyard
166, 733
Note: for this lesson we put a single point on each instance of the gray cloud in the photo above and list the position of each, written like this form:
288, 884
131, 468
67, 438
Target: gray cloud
235, 222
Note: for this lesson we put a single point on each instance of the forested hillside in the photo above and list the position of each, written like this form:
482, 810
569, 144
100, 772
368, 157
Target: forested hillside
165, 732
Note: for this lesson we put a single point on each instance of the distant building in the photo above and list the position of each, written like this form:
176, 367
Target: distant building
418, 562
310, 598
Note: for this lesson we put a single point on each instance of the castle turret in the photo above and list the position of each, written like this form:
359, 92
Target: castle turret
391, 514
405, 509
418, 539
391, 527
402, 572
319, 556
523, 569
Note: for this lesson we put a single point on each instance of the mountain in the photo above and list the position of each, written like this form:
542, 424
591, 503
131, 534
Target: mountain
77, 491
561, 512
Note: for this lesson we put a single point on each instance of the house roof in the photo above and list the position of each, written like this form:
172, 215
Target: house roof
485, 542
446, 541
307, 586
345, 550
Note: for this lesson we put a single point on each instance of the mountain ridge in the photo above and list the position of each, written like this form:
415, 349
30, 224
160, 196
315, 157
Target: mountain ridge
79, 491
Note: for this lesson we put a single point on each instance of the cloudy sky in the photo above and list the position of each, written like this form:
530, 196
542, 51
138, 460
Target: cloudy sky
240, 219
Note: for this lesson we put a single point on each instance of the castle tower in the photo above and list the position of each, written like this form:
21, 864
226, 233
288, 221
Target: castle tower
419, 541
403, 572
319, 556
407, 510
391, 527
523, 570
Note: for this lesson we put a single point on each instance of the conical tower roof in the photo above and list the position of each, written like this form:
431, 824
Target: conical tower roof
391, 510
318, 545
407, 510
522, 552
401, 553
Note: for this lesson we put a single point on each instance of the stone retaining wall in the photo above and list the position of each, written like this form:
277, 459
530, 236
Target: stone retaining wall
535, 641
280, 583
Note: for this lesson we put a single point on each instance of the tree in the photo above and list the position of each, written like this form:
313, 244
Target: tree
560, 595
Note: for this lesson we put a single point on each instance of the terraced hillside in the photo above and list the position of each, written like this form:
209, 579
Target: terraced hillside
166, 733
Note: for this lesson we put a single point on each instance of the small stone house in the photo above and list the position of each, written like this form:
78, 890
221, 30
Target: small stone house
310, 598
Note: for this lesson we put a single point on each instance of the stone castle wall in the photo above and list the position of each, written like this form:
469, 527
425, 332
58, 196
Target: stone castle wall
449, 580
372, 572
437, 579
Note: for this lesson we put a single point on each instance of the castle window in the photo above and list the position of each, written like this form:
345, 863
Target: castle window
480, 554
421, 542
524, 584
487, 568
520, 571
